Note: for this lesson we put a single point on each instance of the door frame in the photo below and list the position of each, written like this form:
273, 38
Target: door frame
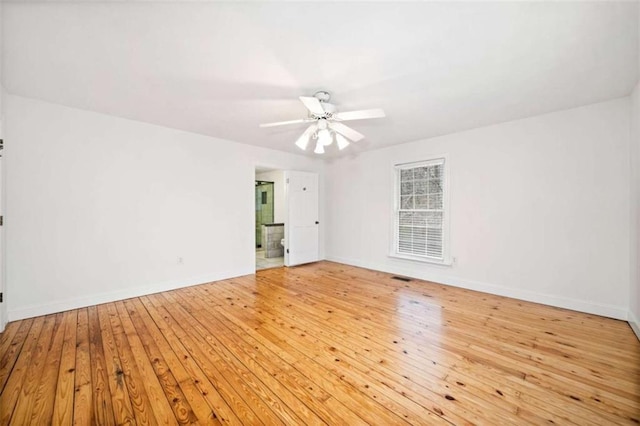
265, 167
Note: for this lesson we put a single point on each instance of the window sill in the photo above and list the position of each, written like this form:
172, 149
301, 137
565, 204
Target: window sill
444, 262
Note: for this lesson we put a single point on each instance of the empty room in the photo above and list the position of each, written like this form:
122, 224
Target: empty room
319, 213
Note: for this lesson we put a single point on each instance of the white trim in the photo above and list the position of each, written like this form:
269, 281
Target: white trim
609, 311
287, 228
425, 259
634, 323
81, 302
430, 161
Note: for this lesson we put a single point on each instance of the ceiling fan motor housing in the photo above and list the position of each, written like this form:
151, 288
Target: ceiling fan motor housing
327, 123
329, 108
322, 96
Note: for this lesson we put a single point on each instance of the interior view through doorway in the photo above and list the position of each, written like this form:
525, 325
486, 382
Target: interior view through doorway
269, 218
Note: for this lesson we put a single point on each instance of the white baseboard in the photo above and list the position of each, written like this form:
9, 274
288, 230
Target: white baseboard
560, 302
97, 299
545, 299
634, 323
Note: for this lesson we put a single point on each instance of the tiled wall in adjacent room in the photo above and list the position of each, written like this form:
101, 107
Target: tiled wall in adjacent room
271, 236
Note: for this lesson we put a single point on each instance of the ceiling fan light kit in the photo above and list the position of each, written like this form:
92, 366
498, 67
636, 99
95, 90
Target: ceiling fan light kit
303, 140
324, 137
327, 124
341, 141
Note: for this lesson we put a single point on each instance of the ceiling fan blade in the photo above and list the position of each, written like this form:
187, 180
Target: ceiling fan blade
346, 131
303, 140
282, 123
359, 115
313, 105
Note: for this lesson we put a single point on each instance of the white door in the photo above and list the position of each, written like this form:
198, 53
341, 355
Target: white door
302, 221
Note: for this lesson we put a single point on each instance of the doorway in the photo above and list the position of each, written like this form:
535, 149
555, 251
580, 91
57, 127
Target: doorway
292, 236
269, 218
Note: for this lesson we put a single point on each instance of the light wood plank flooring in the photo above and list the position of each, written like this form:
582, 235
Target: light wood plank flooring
319, 344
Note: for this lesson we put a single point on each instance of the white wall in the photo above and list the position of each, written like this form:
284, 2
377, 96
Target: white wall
279, 206
539, 208
634, 296
101, 208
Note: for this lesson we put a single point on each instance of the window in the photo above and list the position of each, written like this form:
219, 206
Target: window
421, 211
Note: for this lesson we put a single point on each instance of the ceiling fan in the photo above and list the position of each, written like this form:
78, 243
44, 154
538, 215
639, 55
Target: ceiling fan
327, 123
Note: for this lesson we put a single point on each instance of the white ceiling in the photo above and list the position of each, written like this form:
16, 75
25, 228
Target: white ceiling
220, 69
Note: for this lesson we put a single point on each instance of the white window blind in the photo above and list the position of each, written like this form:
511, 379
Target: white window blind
420, 210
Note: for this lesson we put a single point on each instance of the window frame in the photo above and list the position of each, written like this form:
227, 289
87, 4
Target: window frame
446, 210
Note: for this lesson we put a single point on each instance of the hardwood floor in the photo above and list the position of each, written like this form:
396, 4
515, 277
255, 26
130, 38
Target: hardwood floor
319, 344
